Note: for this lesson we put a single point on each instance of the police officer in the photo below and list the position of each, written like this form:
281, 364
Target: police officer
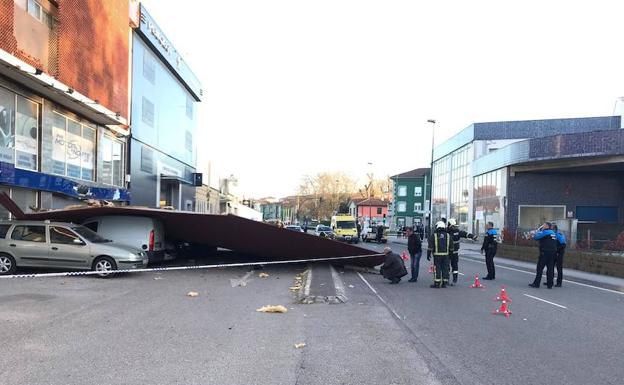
456, 234
440, 245
561, 246
548, 252
489, 247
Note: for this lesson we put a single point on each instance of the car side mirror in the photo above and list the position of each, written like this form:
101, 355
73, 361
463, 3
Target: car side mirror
78, 242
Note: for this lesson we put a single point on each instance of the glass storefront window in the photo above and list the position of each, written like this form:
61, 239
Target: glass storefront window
26, 134
7, 126
111, 161
487, 198
73, 148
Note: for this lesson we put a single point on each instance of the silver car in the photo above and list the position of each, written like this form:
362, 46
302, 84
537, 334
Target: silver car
59, 245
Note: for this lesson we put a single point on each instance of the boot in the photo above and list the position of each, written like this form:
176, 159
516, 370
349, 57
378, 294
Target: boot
455, 277
443, 284
436, 285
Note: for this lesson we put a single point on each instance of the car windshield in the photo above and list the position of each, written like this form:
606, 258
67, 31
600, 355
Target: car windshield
345, 225
89, 234
324, 228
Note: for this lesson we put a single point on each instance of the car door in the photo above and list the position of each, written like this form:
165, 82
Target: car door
67, 249
29, 245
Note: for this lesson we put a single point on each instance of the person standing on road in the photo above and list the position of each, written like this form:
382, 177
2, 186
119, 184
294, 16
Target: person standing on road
380, 231
359, 229
440, 245
456, 234
393, 267
489, 247
414, 248
561, 246
548, 252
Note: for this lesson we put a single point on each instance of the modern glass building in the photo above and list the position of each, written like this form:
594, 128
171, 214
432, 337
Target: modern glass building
476, 173
165, 93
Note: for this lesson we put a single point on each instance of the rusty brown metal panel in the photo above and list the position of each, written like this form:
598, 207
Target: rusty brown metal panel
227, 231
10, 205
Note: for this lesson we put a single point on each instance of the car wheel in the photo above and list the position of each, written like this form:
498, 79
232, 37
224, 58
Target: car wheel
323, 235
7, 264
104, 264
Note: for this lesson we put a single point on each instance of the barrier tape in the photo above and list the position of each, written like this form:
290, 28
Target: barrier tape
173, 268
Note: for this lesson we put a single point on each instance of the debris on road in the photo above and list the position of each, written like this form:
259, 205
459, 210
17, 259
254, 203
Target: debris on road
263, 275
157, 278
272, 309
192, 294
242, 282
300, 345
295, 288
351, 286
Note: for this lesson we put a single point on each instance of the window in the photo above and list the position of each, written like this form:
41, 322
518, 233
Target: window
3, 230
64, 236
26, 129
378, 210
147, 112
147, 159
149, 67
417, 207
7, 126
417, 191
111, 161
29, 233
189, 107
401, 207
34, 9
402, 191
73, 148
188, 142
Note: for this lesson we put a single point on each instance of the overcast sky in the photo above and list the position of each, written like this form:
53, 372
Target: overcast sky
299, 87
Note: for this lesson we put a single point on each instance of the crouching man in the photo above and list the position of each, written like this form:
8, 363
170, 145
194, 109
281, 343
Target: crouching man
393, 267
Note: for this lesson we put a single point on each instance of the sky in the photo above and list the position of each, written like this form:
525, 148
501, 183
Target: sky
295, 88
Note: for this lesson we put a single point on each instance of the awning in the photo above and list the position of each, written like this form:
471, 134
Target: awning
52, 89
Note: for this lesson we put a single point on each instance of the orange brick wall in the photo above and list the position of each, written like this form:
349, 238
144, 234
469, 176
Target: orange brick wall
93, 48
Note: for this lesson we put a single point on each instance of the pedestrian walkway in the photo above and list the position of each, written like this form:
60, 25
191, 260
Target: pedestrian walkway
472, 250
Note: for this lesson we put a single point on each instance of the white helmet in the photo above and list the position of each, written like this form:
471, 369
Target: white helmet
452, 222
440, 225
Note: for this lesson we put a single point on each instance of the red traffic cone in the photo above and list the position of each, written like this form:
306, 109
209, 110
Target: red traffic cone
503, 295
503, 310
405, 256
477, 284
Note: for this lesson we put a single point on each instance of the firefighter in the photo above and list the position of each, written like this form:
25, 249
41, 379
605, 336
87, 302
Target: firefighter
548, 253
456, 234
441, 247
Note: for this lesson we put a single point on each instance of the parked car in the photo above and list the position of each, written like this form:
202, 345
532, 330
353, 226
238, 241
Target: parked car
295, 228
370, 234
147, 234
64, 246
324, 231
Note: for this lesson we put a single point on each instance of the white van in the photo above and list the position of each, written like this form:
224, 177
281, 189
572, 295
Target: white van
143, 233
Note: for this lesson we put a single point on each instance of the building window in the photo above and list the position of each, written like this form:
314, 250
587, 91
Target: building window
147, 159
378, 210
401, 207
188, 142
147, 112
417, 207
26, 129
73, 148
34, 9
149, 67
111, 161
417, 191
189, 107
402, 191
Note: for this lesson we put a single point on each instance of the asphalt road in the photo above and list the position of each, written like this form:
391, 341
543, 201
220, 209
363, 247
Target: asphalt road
143, 329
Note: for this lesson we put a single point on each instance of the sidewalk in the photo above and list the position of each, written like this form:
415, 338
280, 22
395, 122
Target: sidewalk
472, 250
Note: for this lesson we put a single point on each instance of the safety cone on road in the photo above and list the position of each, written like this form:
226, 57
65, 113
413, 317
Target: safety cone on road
477, 284
405, 256
503, 295
504, 309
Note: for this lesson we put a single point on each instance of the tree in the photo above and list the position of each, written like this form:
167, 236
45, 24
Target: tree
321, 196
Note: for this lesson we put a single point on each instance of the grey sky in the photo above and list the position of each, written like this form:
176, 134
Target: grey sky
295, 87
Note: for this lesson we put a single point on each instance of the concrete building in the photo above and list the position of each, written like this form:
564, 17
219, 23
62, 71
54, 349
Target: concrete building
518, 174
207, 200
411, 195
165, 93
371, 210
64, 76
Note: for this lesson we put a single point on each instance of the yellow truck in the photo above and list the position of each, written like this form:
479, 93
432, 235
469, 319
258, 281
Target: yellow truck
344, 228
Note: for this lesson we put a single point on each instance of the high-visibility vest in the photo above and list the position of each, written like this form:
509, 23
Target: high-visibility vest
437, 251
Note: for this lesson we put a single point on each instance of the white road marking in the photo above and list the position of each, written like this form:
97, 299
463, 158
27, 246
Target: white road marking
378, 296
543, 300
531, 273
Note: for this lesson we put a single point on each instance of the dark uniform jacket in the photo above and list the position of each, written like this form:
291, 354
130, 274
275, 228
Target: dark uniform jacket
547, 241
393, 266
414, 244
439, 243
489, 241
456, 235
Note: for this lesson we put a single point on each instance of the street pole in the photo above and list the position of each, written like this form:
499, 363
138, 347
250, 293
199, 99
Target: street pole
433, 122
